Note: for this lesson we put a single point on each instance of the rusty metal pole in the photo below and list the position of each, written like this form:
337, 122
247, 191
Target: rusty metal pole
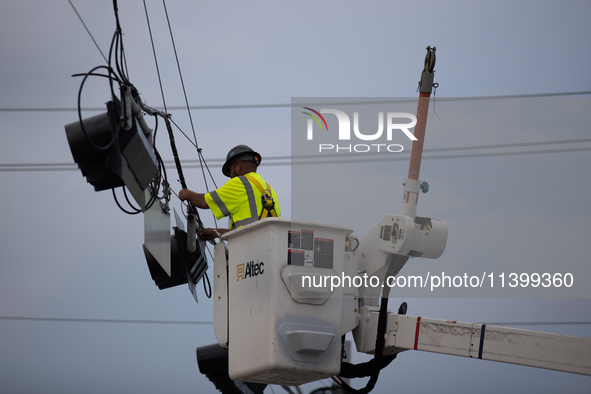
412, 184
425, 89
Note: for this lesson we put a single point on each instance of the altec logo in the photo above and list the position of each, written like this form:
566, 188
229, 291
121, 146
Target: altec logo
249, 269
345, 130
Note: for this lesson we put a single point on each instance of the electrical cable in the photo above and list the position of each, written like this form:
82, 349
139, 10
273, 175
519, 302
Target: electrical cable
136, 210
202, 164
379, 361
199, 151
80, 320
207, 288
13, 167
88, 31
288, 389
285, 105
117, 52
388, 155
121, 78
168, 119
162, 170
180, 73
120, 75
155, 57
368, 159
99, 75
110, 69
110, 144
83, 320
119, 205
156, 183
200, 156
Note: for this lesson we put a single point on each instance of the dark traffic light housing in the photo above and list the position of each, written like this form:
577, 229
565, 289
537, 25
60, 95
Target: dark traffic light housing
110, 156
186, 267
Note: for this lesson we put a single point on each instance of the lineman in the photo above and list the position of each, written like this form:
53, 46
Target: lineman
245, 198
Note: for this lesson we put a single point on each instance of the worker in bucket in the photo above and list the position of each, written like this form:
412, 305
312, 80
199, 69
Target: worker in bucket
245, 198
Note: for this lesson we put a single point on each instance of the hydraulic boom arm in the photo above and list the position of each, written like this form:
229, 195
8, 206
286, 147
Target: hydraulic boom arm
482, 341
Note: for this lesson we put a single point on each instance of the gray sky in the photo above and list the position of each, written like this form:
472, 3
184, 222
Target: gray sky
68, 252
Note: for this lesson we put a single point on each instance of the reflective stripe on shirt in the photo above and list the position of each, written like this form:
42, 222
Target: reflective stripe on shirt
239, 200
252, 203
218, 201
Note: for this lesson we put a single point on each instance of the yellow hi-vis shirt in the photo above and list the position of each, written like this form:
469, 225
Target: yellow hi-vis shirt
240, 199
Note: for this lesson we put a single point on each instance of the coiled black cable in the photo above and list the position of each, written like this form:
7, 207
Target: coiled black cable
373, 367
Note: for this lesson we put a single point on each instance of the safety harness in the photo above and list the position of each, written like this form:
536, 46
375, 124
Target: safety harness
266, 199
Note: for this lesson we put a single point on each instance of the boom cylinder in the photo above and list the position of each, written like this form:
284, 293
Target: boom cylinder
412, 183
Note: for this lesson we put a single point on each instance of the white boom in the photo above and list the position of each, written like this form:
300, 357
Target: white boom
480, 341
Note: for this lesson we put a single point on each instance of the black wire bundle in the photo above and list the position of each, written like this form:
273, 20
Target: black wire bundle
373, 367
116, 71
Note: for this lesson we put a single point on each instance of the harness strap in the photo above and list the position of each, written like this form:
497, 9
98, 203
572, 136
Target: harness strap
266, 198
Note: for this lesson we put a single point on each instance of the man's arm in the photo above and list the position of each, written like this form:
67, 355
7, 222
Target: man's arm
197, 199
211, 233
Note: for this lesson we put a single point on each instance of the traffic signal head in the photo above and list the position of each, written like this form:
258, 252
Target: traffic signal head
110, 156
185, 266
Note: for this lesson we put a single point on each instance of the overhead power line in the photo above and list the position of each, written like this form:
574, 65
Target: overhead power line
76, 320
540, 323
332, 159
132, 321
457, 148
88, 31
288, 105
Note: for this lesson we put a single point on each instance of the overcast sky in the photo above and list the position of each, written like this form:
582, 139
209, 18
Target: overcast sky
69, 252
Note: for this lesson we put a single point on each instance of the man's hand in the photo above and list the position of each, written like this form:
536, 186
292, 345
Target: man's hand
209, 234
197, 199
184, 194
